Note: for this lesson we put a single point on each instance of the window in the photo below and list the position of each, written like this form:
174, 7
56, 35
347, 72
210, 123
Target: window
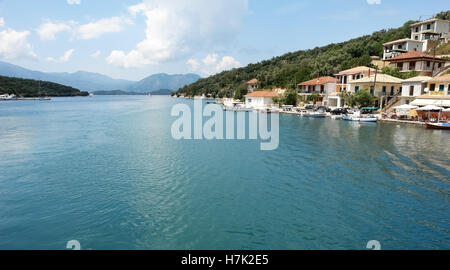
400, 46
356, 88
428, 26
417, 29
384, 90
448, 89
441, 88
428, 64
416, 37
400, 66
392, 90
411, 91
412, 65
432, 87
371, 90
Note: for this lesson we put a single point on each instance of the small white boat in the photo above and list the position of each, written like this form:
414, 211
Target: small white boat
237, 107
357, 117
7, 97
314, 114
336, 116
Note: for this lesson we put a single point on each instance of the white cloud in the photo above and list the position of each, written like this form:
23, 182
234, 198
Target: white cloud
48, 30
2, 22
62, 59
100, 27
212, 64
73, 2
374, 2
15, 44
175, 29
96, 54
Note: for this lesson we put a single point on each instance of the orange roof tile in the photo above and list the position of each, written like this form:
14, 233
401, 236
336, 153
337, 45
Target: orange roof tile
413, 55
265, 94
319, 81
253, 81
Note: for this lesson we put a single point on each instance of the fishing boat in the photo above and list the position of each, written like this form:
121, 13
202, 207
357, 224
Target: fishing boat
437, 126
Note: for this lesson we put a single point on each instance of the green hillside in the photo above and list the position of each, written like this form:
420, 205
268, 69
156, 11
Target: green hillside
295, 67
31, 88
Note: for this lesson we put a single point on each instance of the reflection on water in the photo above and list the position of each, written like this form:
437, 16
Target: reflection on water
106, 171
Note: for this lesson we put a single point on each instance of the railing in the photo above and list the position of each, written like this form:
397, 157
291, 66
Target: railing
438, 71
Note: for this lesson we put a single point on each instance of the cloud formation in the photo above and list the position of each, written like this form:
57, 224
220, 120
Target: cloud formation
73, 2
174, 29
65, 58
212, 64
14, 44
48, 30
96, 29
2, 22
374, 2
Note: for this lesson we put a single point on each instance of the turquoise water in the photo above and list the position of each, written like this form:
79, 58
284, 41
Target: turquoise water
105, 171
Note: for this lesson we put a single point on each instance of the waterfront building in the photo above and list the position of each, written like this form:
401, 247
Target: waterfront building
322, 85
382, 86
413, 88
425, 64
260, 99
395, 48
346, 76
252, 85
438, 93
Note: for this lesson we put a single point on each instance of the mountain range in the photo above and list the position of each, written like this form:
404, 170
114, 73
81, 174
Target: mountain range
89, 81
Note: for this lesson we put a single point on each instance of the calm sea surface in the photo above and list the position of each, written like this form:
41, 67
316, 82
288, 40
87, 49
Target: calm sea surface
106, 171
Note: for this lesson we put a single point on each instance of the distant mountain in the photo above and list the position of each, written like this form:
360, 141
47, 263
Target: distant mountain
88, 81
163, 81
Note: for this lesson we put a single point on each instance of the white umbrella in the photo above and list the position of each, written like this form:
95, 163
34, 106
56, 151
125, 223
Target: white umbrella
430, 108
405, 107
446, 110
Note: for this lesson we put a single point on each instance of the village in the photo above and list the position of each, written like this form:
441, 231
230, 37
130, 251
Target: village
421, 99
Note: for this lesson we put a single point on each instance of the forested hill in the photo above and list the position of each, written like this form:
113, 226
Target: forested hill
33, 88
287, 70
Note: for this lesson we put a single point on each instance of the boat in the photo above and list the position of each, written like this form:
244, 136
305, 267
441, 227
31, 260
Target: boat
445, 126
236, 107
7, 97
358, 117
314, 114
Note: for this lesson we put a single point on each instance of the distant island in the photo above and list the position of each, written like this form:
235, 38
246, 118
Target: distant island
27, 88
162, 92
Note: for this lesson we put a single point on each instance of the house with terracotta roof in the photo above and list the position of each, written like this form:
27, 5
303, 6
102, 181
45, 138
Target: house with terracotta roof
260, 99
252, 85
401, 46
431, 32
321, 85
425, 64
346, 76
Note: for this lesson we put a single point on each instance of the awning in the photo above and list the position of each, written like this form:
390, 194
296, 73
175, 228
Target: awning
436, 102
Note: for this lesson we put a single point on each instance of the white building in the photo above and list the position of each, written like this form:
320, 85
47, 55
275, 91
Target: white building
429, 31
345, 77
397, 47
424, 64
322, 85
413, 88
260, 99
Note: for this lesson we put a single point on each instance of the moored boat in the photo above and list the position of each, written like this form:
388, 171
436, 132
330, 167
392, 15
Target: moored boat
437, 126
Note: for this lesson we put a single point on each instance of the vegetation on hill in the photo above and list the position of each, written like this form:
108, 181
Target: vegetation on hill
33, 88
295, 67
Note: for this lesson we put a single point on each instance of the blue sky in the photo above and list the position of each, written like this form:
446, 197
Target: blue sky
136, 38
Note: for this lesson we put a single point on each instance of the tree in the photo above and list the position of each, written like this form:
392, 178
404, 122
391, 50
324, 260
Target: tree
362, 99
291, 98
314, 97
395, 72
345, 97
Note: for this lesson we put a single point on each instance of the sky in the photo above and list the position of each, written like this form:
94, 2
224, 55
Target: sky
132, 39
